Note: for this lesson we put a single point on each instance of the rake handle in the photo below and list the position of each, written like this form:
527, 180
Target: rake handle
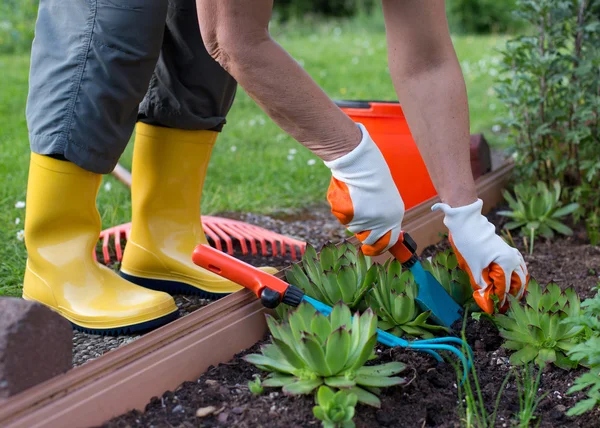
270, 289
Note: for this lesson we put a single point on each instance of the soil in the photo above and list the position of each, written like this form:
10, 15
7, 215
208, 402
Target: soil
430, 399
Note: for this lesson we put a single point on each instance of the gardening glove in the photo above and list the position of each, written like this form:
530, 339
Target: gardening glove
364, 197
493, 266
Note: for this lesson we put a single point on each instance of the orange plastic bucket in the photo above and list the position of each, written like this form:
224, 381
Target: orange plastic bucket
387, 126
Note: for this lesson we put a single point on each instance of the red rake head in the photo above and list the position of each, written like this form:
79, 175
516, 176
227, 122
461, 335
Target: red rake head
217, 230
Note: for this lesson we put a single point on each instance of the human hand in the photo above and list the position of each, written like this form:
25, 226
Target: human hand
364, 197
493, 266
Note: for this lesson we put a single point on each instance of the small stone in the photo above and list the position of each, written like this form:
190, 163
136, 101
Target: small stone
223, 390
237, 410
36, 344
211, 382
178, 409
560, 408
273, 394
205, 411
223, 417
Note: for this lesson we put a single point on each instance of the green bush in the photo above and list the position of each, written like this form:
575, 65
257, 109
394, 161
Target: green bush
338, 8
551, 87
482, 16
17, 24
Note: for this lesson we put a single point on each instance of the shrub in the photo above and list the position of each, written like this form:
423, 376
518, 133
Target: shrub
551, 86
482, 16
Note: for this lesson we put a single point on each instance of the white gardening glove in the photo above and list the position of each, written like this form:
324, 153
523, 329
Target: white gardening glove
494, 267
364, 197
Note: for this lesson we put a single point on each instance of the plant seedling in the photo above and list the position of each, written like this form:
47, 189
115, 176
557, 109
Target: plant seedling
393, 299
310, 349
255, 386
536, 210
539, 331
528, 387
335, 410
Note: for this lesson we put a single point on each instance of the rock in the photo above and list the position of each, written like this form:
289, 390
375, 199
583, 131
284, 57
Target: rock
205, 411
223, 417
36, 344
237, 410
178, 409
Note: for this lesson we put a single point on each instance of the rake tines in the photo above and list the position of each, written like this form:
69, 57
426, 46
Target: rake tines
218, 231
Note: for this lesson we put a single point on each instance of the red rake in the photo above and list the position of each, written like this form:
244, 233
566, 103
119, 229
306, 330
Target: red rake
217, 230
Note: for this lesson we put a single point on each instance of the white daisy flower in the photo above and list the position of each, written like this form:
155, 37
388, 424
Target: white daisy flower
293, 151
311, 162
233, 148
21, 235
20, 204
108, 186
17, 220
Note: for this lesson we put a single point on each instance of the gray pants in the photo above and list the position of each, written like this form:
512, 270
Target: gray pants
97, 66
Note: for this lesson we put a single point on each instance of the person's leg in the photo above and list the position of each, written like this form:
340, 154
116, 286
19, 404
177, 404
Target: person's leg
90, 67
185, 108
431, 89
236, 34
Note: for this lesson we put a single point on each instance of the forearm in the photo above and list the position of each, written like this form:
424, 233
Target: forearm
431, 89
235, 33
435, 104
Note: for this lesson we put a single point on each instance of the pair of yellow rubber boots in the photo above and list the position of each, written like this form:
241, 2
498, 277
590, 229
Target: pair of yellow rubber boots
62, 226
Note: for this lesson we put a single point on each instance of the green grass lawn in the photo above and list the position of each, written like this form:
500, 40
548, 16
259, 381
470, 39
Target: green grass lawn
252, 168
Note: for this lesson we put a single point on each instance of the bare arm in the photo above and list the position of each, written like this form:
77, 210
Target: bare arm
431, 89
235, 33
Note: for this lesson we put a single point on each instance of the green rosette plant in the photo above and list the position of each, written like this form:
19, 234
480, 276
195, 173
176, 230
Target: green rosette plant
335, 409
335, 274
444, 267
536, 210
393, 300
588, 353
539, 330
310, 349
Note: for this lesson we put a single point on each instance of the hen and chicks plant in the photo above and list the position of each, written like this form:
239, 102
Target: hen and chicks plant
309, 350
540, 330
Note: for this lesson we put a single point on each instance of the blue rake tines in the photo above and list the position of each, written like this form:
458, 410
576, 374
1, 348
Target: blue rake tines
429, 346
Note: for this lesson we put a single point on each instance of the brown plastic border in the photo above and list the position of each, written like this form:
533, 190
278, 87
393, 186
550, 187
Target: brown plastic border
126, 378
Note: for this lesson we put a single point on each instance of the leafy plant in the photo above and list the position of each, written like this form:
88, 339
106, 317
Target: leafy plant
393, 299
536, 211
310, 350
539, 331
444, 267
550, 84
335, 410
335, 274
255, 386
588, 353
528, 387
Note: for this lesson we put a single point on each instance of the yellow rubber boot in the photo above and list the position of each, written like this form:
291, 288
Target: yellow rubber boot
169, 167
62, 226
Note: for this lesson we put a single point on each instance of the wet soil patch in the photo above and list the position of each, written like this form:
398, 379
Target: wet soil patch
429, 400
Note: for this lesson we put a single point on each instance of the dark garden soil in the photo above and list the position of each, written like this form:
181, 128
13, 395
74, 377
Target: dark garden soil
429, 400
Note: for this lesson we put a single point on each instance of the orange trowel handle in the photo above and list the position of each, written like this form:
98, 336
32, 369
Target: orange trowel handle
270, 289
405, 250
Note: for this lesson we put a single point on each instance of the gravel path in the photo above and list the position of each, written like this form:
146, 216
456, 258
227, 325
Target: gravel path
315, 225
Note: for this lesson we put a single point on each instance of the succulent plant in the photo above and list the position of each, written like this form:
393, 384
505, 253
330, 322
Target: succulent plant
310, 349
255, 386
335, 274
335, 409
539, 330
537, 210
444, 267
393, 300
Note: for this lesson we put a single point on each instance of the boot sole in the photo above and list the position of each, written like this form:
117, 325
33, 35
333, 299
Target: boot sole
129, 329
172, 287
